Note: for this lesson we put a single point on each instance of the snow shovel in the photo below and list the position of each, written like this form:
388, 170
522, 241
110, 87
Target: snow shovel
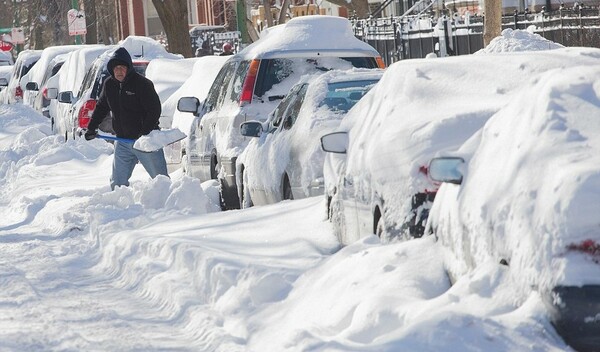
151, 142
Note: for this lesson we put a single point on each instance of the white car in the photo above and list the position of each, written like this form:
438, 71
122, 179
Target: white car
524, 194
25, 62
250, 84
286, 161
32, 81
196, 85
418, 109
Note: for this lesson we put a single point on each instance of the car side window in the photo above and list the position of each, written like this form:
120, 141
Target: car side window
238, 80
293, 110
213, 94
279, 111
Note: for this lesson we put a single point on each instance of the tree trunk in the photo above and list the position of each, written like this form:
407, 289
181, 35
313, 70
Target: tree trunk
91, 21
492, 22
360, 8
285, 6
174, 17
268, 14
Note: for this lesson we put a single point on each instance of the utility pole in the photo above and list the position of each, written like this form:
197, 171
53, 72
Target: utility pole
241, 21
75, 5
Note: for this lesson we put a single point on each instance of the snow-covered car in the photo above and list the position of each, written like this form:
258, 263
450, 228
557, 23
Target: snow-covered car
6, 58
32, 81
81, 104
5, 73
25, 62
250, 84
418, 109
524, 192
286, 162
41, 100
196, 85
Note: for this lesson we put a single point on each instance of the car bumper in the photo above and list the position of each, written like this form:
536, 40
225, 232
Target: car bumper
575, 313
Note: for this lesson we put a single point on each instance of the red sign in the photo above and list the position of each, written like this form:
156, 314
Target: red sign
4, 46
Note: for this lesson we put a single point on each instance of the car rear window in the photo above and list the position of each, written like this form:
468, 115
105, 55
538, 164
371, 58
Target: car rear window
274, 71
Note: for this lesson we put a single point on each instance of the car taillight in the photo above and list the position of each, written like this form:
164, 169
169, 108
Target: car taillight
590, 247
19, 92
380, 62
45, 93
85, 113
248, 86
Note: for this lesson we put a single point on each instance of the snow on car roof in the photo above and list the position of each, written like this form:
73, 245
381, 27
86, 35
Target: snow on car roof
144, 47
303, 36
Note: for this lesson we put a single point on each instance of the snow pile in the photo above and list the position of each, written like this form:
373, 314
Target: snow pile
518, 40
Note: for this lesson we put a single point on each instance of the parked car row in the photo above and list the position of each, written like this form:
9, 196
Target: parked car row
64, 82
250, 85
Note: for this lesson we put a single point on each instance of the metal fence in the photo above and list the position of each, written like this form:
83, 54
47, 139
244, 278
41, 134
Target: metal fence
406, 37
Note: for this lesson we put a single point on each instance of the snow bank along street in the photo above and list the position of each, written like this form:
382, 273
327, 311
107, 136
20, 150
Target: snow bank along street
157, 266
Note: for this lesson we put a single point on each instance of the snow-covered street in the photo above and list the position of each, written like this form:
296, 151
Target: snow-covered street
158, 266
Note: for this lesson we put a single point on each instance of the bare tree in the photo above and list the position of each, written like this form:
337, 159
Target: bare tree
174, 17
358, 7
492, 23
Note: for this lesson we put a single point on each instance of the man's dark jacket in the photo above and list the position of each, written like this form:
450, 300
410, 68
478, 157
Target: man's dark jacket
134, 102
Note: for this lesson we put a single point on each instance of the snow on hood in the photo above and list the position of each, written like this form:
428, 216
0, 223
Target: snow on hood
306, 32
532, 185
168, 75
518, 40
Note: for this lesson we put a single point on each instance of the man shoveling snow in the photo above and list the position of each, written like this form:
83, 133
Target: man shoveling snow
136, 110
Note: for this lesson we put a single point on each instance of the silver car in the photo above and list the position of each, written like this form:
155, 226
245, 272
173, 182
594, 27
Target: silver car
286, 161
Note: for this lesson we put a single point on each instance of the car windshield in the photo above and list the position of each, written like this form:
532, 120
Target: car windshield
341, 96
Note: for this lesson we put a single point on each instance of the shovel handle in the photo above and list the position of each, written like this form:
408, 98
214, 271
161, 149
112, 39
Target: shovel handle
111, 138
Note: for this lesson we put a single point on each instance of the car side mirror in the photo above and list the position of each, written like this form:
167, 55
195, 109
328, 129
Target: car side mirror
288, 122
65, 97
52, 93
188, 104
336, 142
447, 169
3, 82
251, 129
31, 86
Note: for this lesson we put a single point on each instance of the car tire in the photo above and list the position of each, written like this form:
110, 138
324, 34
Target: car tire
287, 189
245, 198
380, 227
214, 165
336, 217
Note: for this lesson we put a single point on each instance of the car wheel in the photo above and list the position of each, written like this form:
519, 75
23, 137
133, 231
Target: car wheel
380, 228
336, 217
287, 188
245, 198
214, 164
184, 165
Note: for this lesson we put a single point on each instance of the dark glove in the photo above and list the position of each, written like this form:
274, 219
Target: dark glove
89, 135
